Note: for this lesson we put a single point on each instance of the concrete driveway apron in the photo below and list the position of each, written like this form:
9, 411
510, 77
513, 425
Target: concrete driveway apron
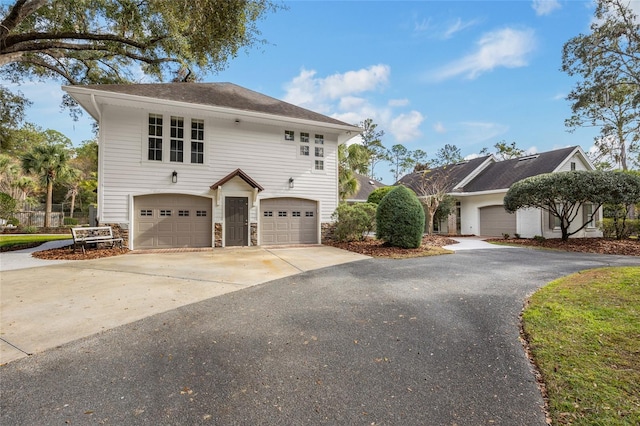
44, 307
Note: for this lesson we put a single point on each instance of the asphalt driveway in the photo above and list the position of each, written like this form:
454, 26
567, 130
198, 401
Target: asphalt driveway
417, 341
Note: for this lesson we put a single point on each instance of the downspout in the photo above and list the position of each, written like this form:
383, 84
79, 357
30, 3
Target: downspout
100, 166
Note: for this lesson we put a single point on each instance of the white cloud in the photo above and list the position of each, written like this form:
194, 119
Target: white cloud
476, 131
507, 48
439, 127
545, 7
354, 96
406, 127
559, 97
398, 102
307, 90
458, 26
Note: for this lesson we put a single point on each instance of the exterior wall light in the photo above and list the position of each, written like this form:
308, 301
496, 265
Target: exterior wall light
290, 183
174, 177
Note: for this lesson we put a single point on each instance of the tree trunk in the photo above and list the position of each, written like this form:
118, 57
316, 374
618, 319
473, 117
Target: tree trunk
73, 203
47, 214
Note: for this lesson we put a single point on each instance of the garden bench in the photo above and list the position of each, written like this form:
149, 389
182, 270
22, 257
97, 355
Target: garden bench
94, 235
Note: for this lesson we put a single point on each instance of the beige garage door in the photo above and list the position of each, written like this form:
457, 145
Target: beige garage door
171, 220
495, 221
288, 221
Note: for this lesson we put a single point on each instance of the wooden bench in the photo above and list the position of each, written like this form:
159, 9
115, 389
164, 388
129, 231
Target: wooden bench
94, 235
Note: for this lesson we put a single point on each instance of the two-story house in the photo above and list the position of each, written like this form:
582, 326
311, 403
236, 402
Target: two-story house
212, 165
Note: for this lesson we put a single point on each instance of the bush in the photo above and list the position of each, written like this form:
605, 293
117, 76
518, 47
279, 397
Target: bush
378, 194
615, 229
30, 230
400, 219
8, 206
70, 221
354, 221
538, 238
505, 236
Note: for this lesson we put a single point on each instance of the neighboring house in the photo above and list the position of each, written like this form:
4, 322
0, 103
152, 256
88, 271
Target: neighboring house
212, 165
479, 186
366, 187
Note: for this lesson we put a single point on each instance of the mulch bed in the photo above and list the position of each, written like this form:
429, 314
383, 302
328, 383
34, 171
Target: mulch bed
583, 245
431, 245
67, 253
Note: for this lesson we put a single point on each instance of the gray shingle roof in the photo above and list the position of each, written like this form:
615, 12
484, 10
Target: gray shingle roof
503, 174
367, 185
227, 95
455, 172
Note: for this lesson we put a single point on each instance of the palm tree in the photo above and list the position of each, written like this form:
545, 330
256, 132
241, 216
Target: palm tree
347, 182
49, 163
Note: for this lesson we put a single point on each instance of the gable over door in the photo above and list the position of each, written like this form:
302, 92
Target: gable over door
236, 220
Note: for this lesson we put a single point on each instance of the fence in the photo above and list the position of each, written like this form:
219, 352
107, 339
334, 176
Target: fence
37, 219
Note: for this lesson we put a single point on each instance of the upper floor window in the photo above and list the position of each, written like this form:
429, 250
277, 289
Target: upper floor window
289, 135
155, 137
320, 139
179, 146
197, 141
573, 165
304, 137
176, 150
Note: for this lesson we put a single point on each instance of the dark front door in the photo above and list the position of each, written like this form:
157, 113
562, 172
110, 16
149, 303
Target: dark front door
236, 215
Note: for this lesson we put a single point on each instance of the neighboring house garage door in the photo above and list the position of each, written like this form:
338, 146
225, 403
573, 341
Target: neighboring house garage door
171, 220
495, 221
288, 221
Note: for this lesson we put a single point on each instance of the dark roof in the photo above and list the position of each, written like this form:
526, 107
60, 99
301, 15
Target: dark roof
242, 175
503, 174
367, 185
227, 95
456, 173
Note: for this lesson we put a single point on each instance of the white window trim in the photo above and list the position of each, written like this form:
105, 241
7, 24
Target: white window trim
166, 140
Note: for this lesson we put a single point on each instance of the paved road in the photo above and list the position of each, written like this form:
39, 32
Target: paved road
429, 341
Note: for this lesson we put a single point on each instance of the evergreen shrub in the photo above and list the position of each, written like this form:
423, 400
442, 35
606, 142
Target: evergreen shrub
400, 219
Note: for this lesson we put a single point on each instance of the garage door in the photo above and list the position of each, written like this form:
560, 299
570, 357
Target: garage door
288, 221
495, 221
171, 220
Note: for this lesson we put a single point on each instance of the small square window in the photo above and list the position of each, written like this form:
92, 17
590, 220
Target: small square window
304, 150
282, 214
295, 214
268, 214
304, 137
320, 139
319, 165
319, 151
183, 213
308, 214
164, 213
289, 135
201, 213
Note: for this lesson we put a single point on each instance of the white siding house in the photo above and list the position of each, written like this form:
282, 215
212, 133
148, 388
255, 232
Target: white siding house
182, 160
479, 187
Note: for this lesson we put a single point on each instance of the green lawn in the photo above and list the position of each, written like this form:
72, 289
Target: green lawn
15, 241
584, 335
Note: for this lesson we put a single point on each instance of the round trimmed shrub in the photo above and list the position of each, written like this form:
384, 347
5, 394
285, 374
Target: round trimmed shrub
400, 219
378, 194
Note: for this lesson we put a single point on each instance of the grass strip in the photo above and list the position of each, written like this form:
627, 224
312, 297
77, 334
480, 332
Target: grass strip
583, 332
13, 241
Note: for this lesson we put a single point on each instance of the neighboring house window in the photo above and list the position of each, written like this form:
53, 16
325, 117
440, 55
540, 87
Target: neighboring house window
155, 137
197, 141
587, 211
176, 150
554, 221
573, 165
289, 135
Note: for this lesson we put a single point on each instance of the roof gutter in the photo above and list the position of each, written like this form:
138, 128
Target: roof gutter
471, 194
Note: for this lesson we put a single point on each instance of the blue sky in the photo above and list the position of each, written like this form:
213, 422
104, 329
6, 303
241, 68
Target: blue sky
429, 73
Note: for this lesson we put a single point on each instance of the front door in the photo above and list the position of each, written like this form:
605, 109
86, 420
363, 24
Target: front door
236, 215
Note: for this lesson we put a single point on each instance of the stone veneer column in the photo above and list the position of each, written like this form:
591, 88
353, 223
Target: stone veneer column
254, 233
217, 235
118, 232
326, 231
